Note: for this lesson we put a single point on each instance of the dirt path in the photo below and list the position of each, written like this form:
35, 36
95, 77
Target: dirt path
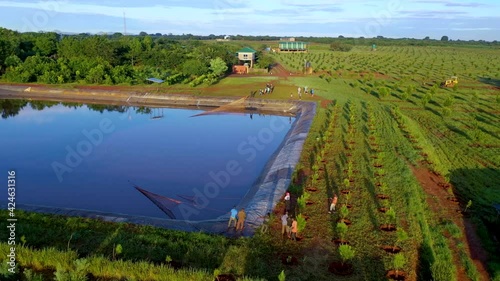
439, 201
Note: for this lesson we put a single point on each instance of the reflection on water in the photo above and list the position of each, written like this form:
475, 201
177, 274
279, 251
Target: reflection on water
86, 156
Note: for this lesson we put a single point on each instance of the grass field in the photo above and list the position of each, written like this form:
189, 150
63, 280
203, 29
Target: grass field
384, 127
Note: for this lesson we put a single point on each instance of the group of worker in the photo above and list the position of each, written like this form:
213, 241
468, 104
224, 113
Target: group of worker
238, 218
288, 224
304, 90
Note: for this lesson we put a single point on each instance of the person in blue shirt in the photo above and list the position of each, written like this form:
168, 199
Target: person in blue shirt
232, 218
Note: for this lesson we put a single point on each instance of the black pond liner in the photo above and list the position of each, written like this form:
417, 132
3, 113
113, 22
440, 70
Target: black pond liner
260, 199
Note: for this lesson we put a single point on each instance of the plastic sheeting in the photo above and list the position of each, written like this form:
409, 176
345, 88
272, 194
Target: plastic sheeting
261, 198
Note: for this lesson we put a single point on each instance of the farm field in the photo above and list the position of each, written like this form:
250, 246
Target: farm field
395, 129
416, 168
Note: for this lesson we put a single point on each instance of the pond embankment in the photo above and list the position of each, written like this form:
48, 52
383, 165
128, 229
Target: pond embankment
262, 196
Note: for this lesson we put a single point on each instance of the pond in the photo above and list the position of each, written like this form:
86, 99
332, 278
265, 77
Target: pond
91, 156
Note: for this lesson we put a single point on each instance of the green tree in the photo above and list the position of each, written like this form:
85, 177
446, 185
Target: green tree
46, 44
265, 61
218, 66
12, 61
96, 75
135, 50
444, 38
448, 101
426, 99
194, 67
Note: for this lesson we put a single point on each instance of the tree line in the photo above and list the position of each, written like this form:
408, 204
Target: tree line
102, 59
12, 107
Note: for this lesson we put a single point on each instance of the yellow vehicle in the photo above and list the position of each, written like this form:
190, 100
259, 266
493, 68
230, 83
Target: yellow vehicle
450, 82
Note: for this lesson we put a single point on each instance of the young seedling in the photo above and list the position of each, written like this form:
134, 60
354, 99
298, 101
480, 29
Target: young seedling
401, 236
344, 212
347, 198
341, 230
346, 253
383, 187
347, 184
117, 251
469, 204
301, 223
217, 272
399, 262
390, 216
282, 276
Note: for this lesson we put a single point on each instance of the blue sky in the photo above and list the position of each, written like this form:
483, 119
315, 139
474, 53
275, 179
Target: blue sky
465, 20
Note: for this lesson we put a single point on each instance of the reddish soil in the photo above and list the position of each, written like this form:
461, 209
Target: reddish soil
438, 201
388, 227
382, 196
281, 71
383, 209
341, 269
312, 189
346, 221
340, 242
391, 274
391, 249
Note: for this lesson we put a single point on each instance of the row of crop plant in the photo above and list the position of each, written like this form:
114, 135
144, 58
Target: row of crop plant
386, 209
465, 259
348, 191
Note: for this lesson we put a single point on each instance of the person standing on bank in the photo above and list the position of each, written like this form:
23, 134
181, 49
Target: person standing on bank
284, 219
294, 229
332, 205
289, 223
232, 217
287, 202
265, 224
241, 219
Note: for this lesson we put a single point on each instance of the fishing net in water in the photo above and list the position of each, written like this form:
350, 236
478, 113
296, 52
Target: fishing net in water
237, 105
167, 205
164, 203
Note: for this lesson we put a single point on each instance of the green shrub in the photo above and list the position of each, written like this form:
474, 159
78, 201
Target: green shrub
341, 230
301, 223
399, 262
344, 212
282, 276
346, 253
31, 276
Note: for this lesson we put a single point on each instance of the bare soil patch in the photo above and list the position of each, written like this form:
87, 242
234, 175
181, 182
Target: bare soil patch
439, 202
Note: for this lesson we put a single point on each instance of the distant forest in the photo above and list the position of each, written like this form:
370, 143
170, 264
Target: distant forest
51, 58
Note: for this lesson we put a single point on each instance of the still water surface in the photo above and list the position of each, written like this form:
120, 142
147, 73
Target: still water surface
87, 157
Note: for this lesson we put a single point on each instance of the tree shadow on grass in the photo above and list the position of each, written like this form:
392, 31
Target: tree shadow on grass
373, 193
437, 113
481, 187
375, 94
490, 81
458, 131
425, 260
492, 134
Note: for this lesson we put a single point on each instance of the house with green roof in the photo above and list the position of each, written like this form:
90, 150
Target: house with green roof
246, 55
